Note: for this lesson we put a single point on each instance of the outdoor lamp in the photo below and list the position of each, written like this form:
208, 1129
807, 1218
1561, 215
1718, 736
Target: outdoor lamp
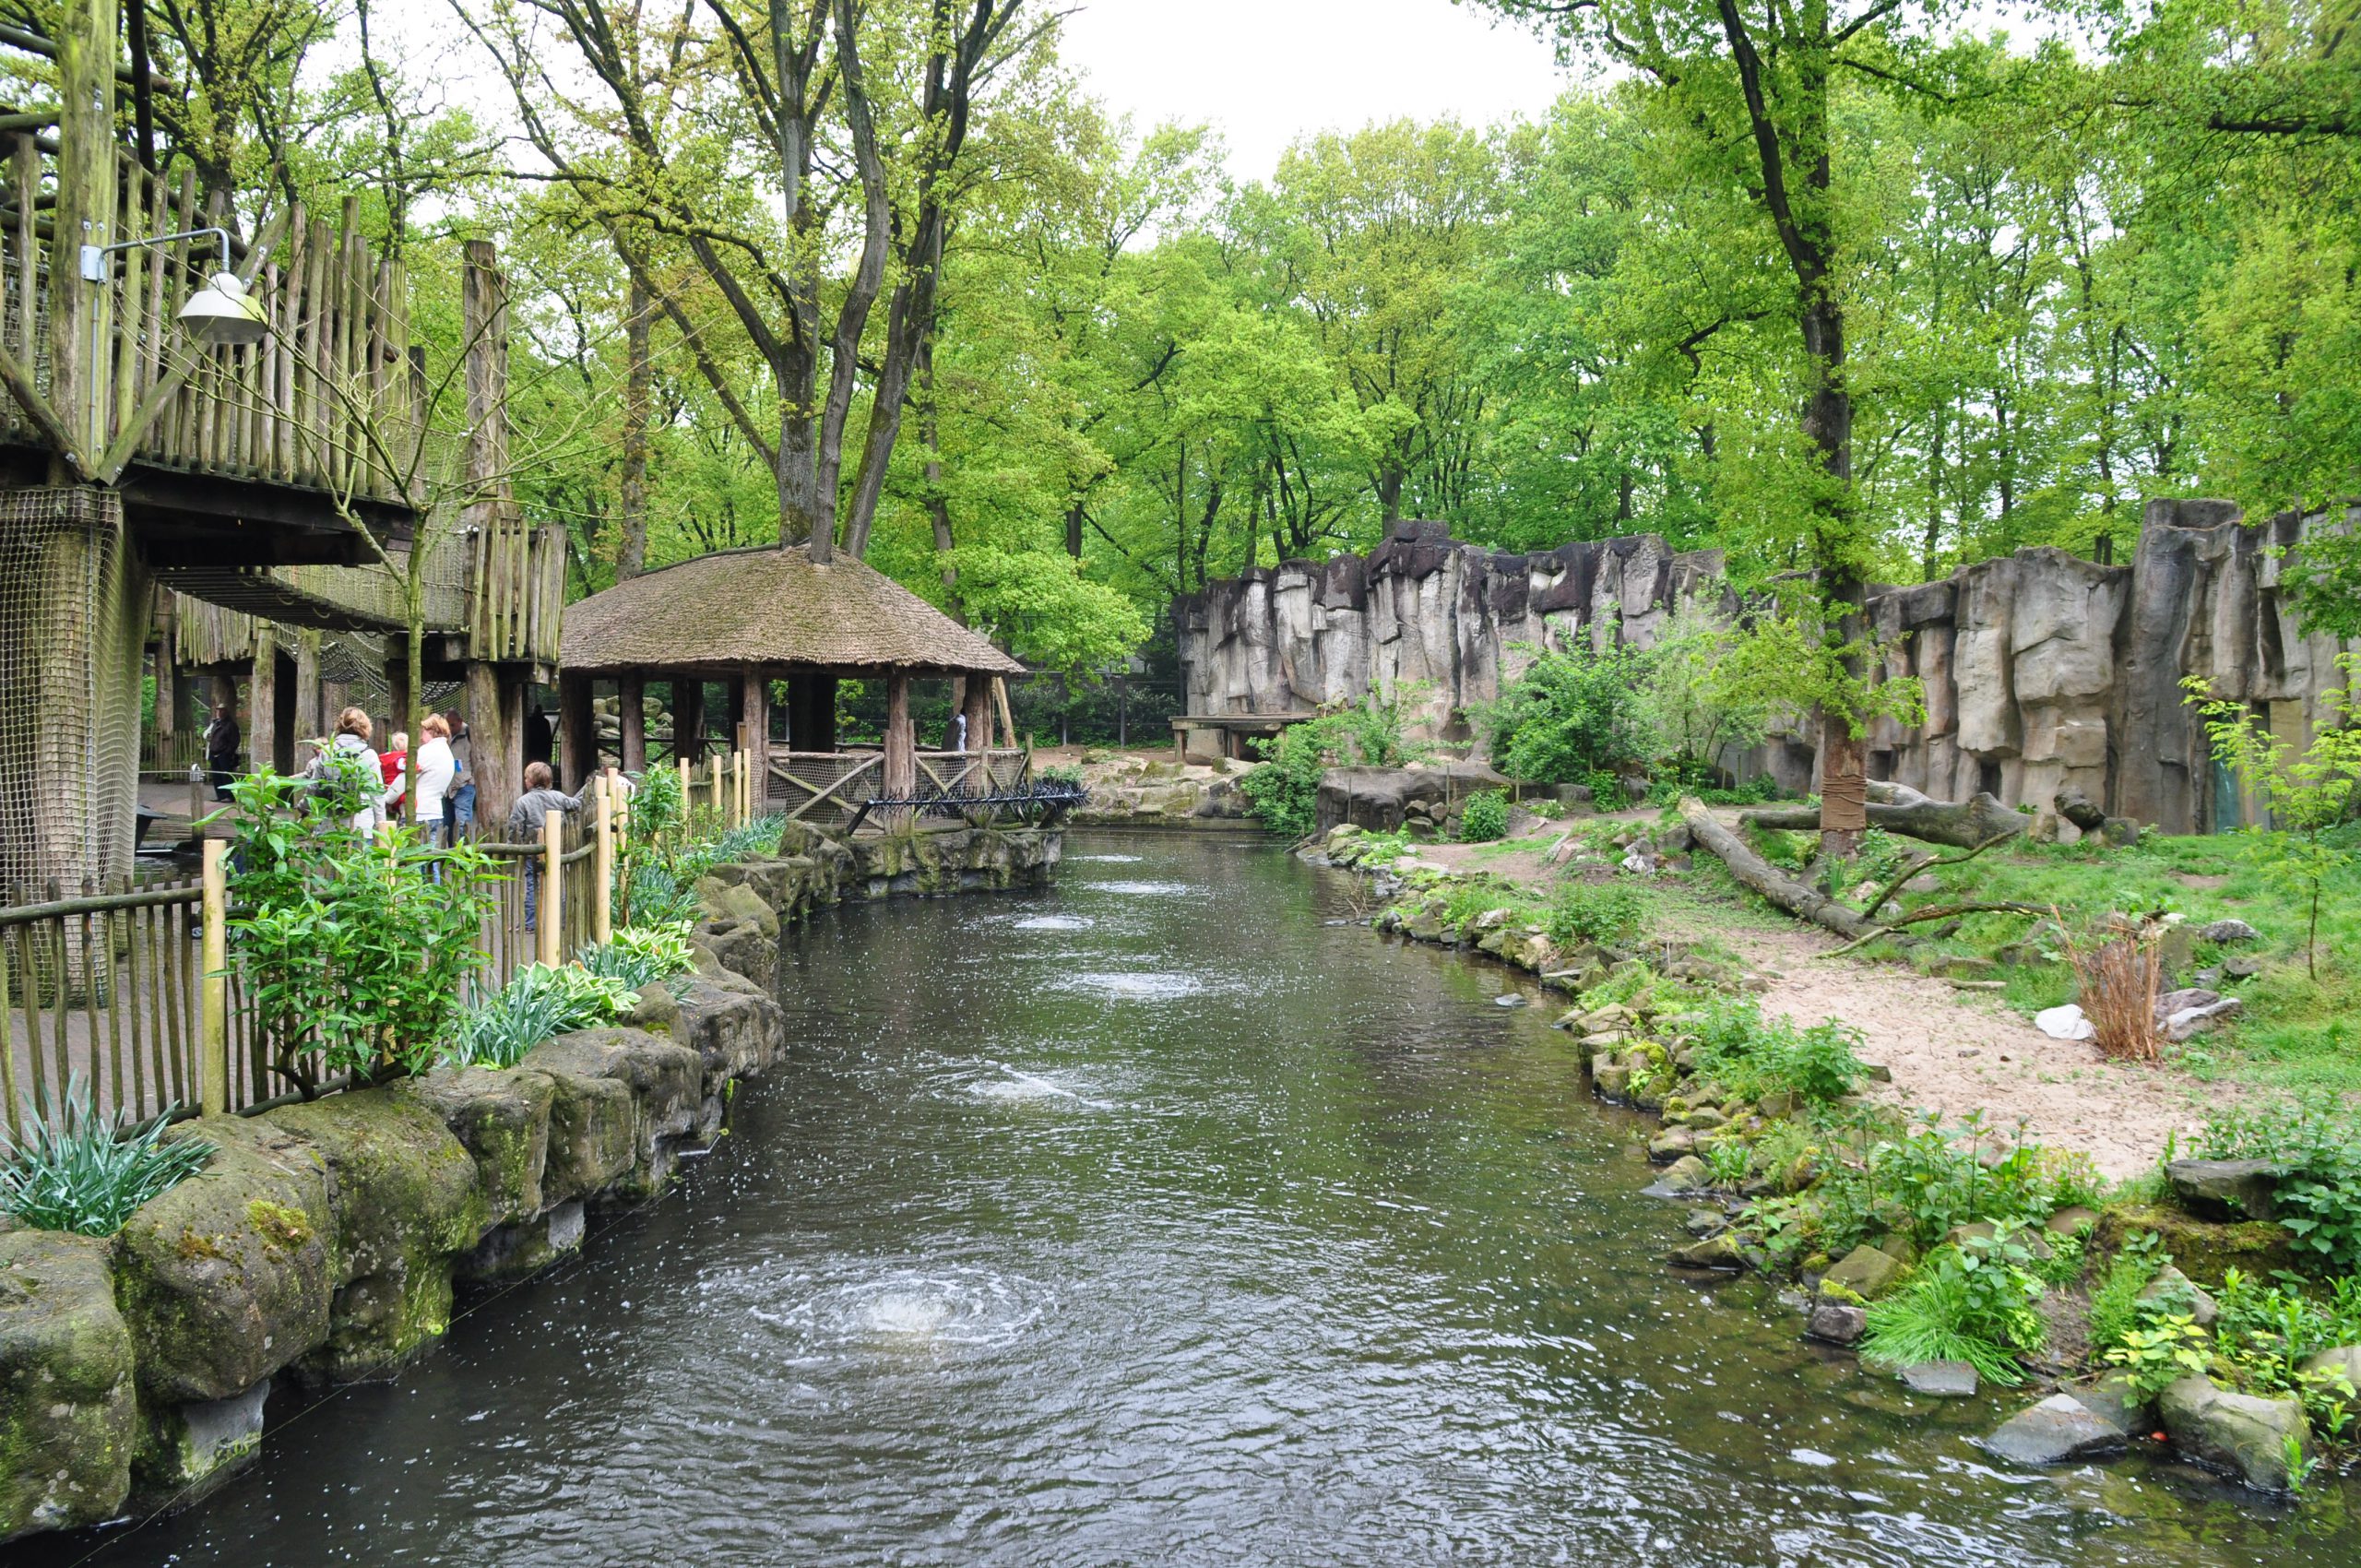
222, 315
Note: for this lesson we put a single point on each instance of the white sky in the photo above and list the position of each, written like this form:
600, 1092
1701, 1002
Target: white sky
1264, 72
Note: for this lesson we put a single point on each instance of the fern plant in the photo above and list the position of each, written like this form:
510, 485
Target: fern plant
73, 1169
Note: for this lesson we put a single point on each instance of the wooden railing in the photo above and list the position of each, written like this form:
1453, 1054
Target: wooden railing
830, 789
326, 400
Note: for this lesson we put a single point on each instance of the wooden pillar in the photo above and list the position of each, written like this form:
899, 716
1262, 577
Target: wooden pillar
755, 736
398, 683
978, 706
631, 699
688, 715
262, 700
309, 722
1007, 719
495, 741
80, 314
168, 698
575, 760
286, 726
901, 745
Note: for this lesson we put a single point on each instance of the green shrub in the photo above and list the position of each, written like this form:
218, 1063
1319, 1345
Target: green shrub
73, 1169
2319, 1197
2115, 1305
1570, 716
2160, 1349
1972, 1304
1484, 818
1285, 790
639, 956
539, 1003
1605, 912
1754, 1056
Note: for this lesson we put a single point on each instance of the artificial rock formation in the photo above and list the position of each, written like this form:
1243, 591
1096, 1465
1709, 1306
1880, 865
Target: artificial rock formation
2042, 672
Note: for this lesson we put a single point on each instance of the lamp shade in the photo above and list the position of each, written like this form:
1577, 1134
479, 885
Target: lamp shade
223, 315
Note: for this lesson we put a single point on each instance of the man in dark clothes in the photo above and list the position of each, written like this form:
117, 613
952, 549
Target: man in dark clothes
223, 743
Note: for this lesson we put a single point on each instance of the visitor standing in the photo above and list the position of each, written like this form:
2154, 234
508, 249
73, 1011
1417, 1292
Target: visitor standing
222, 742
462, 804
394, 763
436, 768
541, 797
350, 767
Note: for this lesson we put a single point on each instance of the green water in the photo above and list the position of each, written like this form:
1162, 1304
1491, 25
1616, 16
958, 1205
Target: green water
1153, 1221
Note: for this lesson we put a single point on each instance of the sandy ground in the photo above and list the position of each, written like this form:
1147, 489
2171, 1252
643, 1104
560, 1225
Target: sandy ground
1951, 1052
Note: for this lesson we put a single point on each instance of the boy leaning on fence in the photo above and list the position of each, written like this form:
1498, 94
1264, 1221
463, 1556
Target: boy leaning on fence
524, 819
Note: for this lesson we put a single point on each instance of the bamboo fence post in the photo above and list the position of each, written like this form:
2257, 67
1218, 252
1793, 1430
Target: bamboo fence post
8, 1042
602, 898
745, 791
213, 1032
551, 929
718, 807
682, 759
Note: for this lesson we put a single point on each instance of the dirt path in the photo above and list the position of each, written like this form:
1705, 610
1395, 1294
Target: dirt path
1949, 1051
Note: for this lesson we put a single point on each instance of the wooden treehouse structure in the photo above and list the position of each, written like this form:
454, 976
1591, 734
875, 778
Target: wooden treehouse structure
228, 444
751, 618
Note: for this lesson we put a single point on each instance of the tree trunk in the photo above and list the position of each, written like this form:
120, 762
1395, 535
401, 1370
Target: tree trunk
578, 755
1751, 869
639, 375
1963, 826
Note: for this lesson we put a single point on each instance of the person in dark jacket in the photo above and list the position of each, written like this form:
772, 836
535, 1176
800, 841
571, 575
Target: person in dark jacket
541, 797
223, 743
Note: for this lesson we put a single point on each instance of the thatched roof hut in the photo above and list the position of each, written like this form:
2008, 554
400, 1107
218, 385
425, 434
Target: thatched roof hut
774, 609
750, 617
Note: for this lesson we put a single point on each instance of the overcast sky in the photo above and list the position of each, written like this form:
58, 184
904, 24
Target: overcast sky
1264, 72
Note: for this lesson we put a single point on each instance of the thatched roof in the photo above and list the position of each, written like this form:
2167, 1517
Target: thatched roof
770, 607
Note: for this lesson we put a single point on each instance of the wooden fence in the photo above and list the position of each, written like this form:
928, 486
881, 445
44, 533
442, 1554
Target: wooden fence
834, 789
136, 993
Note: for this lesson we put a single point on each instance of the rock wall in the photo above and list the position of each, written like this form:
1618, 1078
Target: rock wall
324, 1242
2041, 670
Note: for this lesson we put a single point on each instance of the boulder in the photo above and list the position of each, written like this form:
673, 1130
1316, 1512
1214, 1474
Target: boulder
2071, 1221
1687, 1174
230, 1276
736, 1029
2248, 1437
404, 1194
502, 1118
2112, 1398
624, 1100
2225, 1188
2203, 1250
2170, 1282
1610, 1076
2058, 1430
2228, 932
1837, 1323
1943, 1380
68, 1415
1715, 1251
187, 1450
2186, 1023
1866, 1272
1671, 1143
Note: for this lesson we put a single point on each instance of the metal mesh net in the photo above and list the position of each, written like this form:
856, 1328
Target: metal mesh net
72, 623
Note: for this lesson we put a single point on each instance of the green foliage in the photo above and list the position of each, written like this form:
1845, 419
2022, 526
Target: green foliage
540, 1002
1571, 718
1973, 1303
1754, 1055
1285, 792
2312, 791
639, 956
671, 845
2317, 1144
1484, 818
2115, 1302
1728, 1161
1604, 912
70, 1169
1694, 702
2160, 1350
355, 950
1801, 663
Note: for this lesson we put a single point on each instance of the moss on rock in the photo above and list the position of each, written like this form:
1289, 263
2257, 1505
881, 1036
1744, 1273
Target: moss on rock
230, 1273
67, 1412
2202, 1249
502, 1118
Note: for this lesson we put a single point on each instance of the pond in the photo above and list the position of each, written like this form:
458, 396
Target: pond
1154, 1220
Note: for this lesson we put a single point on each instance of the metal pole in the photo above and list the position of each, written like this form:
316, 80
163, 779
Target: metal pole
213, 1030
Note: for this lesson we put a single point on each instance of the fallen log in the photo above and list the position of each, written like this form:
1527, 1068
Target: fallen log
1805, 903
1972, 825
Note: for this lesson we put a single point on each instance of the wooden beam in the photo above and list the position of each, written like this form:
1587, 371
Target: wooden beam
631, 703
901, 743
576, 754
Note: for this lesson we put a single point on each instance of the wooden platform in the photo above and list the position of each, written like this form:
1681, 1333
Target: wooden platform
1209, 737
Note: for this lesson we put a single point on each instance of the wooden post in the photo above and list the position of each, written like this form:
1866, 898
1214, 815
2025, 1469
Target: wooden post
309, 725
495, 738
901, 745
631, 700
213, 1025
80, 312
262, 700
602, 917
577, 753
720, 808
553, 890
978, 709
1007, 720
403, 699
688, 715
687, 800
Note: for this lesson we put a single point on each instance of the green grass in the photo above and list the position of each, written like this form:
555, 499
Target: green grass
2297, 1032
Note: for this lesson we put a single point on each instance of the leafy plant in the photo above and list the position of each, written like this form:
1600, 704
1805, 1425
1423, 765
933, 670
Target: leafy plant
2310, 791
1755, 1055
2115, 1305
73, 1169
2318, 1148
1285, 790
1607, 913
1484, 819
356, 949
539, 1003
2162, 1350
1729, 1163
1972, 1304
639, 956
1570, 716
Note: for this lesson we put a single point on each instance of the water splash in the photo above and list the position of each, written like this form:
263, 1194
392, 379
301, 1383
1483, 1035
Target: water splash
1143, 890
1134, 986
1055, 922
954, 1307
1019, 1085
1107, 860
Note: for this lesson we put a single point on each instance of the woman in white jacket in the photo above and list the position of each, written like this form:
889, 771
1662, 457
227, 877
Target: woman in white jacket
436, 768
